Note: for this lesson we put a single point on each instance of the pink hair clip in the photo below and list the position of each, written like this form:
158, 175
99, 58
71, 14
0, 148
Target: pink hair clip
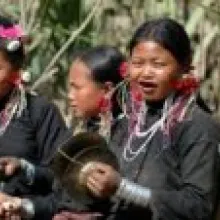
11, 32
12, 36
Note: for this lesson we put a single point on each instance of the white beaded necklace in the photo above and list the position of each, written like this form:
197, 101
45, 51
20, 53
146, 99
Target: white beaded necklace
129, 154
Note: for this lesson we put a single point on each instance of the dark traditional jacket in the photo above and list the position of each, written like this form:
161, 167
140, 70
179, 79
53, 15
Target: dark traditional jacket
181, 172
34, 136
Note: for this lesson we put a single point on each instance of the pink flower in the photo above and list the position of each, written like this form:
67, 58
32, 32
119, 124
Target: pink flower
11, 32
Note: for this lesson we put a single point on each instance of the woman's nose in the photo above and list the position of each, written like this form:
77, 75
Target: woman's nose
147, 72
70, 95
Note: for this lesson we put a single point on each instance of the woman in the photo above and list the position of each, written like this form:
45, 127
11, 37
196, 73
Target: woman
93, 77
167, 147
30, 127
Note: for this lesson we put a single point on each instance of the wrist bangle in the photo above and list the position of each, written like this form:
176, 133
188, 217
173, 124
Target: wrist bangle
29, 171
133, 193
27, 209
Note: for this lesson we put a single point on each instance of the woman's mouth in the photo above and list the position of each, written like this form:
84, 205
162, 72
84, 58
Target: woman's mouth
147, 86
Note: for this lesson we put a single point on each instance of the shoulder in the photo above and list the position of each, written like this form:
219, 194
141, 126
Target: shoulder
40, 104
40, 109
199, 128
205, 123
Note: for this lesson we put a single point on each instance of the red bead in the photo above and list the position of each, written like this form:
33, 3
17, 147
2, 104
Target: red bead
123, 69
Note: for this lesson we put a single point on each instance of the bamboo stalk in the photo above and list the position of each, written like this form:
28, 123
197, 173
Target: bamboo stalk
23, 14
33, 13
71, 39
207, 8
206, 42
195, 18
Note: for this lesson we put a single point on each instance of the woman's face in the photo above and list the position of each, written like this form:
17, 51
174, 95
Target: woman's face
6, 71
153, 68
84, 93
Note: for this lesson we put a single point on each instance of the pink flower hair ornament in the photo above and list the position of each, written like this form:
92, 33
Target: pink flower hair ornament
12, 36
13, 32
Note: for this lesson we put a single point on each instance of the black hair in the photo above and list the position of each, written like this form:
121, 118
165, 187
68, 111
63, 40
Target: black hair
17, 57
104, 63
170, 35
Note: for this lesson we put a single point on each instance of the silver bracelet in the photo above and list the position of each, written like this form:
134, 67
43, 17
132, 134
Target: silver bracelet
27, 209
25, 206
29, 171
133, 193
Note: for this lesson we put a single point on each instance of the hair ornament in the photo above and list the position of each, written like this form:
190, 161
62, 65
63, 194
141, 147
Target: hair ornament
11, 32
12, 36
13, 45
186, 85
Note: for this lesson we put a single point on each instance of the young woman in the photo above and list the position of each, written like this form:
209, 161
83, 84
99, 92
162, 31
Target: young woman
30, 126
92, 81
167, 146
93, 77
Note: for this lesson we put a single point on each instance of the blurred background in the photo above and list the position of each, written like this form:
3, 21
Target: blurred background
57, 28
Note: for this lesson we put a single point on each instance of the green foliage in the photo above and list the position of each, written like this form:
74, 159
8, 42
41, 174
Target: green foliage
51, 23
56, 19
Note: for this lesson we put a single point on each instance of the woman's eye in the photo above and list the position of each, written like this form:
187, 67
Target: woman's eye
159, 64
137, 63
73, 86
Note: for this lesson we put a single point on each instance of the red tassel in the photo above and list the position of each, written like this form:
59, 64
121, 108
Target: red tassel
136, 93
14, 79
186, 85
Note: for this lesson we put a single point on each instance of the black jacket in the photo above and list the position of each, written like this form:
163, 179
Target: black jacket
34, 137
181, 172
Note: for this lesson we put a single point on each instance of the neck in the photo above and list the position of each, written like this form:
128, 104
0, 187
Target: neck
156, 104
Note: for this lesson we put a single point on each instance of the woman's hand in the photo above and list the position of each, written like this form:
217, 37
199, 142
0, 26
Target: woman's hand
4, 197
9, 165
10, 208
102, 180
